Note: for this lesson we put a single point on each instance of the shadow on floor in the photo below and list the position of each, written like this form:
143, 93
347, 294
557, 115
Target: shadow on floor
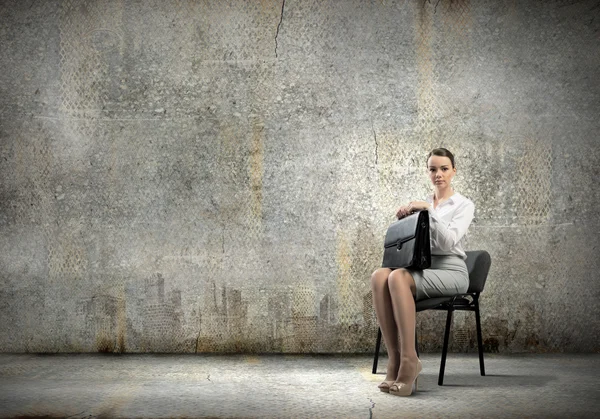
497, 380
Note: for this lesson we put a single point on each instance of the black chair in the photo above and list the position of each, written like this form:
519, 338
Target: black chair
478, 263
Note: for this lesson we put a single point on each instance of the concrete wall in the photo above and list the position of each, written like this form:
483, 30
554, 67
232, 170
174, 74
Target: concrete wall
218, 175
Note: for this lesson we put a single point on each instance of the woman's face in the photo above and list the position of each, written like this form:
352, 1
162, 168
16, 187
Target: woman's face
440, 171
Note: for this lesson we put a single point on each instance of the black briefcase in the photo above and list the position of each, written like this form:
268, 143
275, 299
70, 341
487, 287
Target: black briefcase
407, 243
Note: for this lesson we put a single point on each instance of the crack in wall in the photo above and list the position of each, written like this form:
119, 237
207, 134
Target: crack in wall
279, 26
371, 408
376, 144
76, 414
597, 6
223, 238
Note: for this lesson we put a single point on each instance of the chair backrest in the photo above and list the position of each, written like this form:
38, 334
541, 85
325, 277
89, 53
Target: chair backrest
478, 264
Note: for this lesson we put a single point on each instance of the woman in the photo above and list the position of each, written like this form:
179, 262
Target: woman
395, 291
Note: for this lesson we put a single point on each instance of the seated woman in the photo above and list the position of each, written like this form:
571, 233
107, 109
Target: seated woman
395, 291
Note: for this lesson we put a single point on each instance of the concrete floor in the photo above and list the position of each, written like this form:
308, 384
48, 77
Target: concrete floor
293, 386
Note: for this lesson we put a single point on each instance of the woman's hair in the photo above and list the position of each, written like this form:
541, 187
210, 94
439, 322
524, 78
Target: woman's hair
442, 152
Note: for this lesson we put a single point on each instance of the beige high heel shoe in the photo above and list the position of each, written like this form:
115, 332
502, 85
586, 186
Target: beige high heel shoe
385, 386
406, 389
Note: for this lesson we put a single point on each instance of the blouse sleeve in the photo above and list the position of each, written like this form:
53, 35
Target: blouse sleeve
445, 236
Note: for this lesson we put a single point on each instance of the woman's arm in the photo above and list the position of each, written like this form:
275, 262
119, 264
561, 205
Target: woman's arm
447, 235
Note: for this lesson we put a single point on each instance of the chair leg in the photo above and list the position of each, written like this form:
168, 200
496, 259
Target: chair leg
479, 339
377, 346
445, 349
416, 343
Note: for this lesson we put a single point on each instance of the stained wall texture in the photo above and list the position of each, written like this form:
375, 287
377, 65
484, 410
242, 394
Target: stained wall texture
218, 175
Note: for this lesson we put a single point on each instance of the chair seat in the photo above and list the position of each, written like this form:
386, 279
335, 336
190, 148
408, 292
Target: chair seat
431, 303
462, 302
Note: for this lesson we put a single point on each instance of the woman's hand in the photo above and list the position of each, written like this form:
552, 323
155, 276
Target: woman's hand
403, 211
418, 206
411, 208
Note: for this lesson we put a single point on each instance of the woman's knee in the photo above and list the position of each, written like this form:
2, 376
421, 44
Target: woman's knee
400, 278
380, 276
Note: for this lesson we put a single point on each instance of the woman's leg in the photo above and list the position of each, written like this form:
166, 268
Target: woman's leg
402, 290
382, 302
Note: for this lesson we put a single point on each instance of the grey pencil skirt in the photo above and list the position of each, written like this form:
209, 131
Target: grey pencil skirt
448, 275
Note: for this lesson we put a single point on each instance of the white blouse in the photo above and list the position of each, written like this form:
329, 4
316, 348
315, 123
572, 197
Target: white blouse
449, 223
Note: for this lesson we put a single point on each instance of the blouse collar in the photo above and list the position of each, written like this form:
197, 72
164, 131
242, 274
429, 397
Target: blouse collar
453, 199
